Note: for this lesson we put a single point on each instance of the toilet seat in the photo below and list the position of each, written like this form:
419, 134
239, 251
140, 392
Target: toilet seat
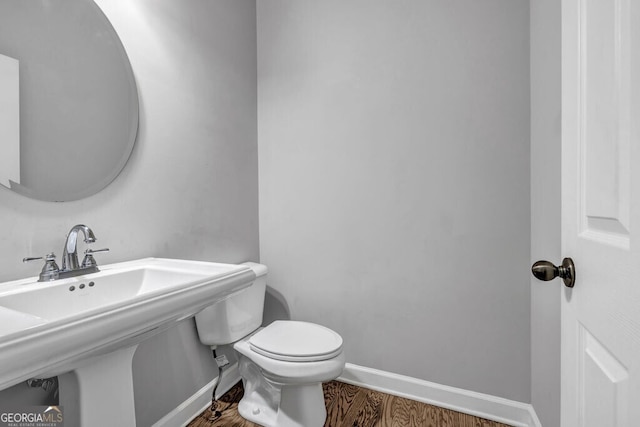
295, 341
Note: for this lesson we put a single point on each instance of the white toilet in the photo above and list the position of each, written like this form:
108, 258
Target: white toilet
282, 365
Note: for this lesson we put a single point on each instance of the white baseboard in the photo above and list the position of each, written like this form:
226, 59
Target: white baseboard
230, 377
493, 408
184, 413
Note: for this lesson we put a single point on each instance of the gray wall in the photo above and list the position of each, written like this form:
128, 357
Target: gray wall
190, 188
545, 207
394, 181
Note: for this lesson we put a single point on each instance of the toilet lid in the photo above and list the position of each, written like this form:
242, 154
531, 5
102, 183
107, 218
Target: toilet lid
296, 341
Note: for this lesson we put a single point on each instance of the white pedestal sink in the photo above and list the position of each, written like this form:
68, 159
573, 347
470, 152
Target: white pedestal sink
89, 326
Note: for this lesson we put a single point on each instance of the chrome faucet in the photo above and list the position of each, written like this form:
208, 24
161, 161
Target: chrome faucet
70, 254
70, 265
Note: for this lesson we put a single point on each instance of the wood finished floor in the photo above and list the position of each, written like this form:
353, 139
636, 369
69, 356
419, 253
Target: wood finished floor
352, 406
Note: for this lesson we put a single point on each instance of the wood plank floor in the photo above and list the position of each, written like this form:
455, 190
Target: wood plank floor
352, 406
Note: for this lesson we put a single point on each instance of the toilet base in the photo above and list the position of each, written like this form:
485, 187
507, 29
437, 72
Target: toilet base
275, 405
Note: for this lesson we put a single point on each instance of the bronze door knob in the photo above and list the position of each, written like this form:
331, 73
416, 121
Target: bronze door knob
545, 270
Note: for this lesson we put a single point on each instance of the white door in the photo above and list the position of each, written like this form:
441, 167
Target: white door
601, 212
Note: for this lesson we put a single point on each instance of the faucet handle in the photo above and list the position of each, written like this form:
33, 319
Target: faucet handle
95, 251
47, 257
50, 269
88, 260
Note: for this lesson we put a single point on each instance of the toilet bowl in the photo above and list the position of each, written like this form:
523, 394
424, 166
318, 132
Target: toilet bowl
282, 365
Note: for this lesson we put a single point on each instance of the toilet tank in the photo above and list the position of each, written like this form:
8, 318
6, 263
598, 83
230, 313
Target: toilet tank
237, 316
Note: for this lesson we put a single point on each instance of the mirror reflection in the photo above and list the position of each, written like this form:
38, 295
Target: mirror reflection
68, 100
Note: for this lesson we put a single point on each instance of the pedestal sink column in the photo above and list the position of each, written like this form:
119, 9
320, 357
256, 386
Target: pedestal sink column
105, 388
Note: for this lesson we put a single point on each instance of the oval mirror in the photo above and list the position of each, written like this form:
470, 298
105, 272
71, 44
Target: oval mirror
68, 99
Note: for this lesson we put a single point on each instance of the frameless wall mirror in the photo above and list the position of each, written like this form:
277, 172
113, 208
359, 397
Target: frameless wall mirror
68, 99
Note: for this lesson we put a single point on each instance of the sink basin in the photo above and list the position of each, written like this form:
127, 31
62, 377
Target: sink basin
104, 290
51, 328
